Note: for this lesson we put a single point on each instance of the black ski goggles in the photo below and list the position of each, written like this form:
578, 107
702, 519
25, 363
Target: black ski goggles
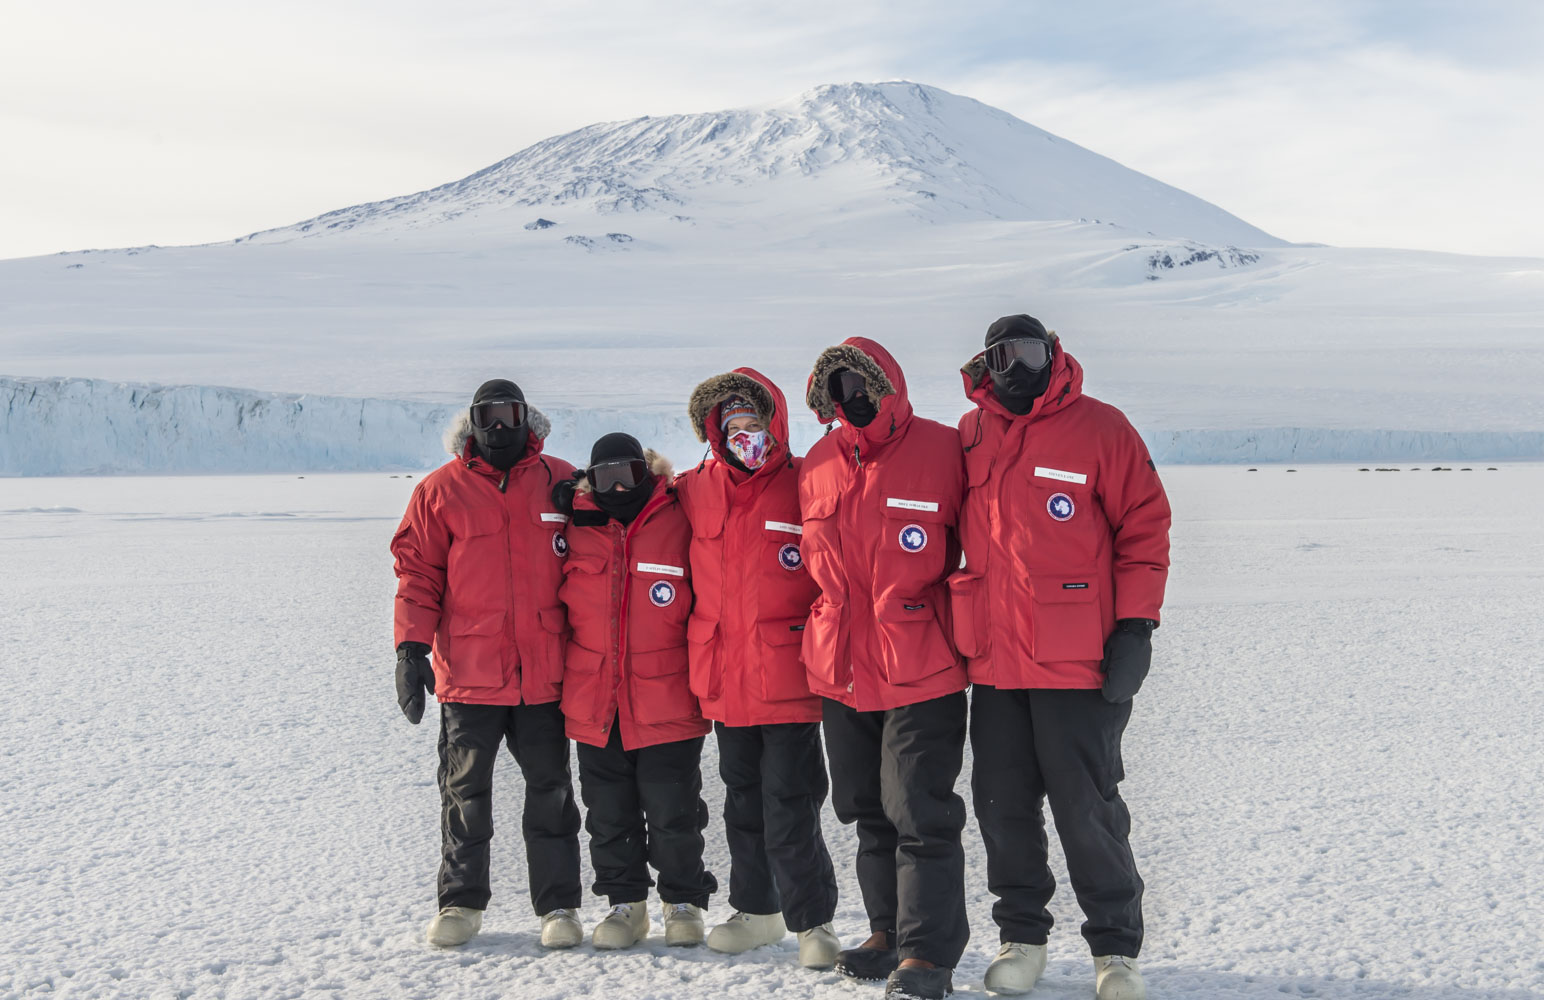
1032, 354
628, 473
846, 385
509, 412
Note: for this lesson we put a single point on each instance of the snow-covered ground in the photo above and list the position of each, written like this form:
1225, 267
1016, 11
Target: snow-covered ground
208, 790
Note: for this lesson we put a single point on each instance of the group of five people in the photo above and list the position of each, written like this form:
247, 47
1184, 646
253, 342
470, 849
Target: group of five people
857, 593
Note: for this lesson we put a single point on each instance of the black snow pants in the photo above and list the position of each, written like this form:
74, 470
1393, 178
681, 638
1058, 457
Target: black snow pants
893, 774
469, 745
1034, 745
644, 807
774, 785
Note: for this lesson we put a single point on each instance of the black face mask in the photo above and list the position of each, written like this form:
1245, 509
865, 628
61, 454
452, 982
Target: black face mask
858, 411
500, 446
625, 505
1018, 387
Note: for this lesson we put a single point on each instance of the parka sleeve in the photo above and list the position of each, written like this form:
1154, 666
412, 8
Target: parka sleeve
420, 549
1138, 511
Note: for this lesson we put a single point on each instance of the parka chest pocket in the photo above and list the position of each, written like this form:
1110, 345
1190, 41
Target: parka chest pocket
477, 565
552, 528
1067, 522
916, 535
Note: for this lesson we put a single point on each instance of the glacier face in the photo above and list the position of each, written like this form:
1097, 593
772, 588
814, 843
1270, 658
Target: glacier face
71, 426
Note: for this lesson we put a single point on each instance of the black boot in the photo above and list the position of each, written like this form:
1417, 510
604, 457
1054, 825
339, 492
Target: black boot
870, 960
919, 983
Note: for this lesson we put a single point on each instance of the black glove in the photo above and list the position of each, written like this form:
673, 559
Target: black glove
563, 493
1128, 653
413, 675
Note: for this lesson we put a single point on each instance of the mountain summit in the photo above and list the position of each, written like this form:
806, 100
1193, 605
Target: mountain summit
854, 155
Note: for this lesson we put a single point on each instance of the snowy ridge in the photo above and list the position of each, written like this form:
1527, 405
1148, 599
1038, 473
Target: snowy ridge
888, 149
69, 426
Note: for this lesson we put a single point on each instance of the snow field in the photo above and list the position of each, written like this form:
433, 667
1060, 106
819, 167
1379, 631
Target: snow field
209, 792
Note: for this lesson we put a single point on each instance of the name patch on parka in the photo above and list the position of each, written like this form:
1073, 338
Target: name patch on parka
660, 569
1066, 477
927, 505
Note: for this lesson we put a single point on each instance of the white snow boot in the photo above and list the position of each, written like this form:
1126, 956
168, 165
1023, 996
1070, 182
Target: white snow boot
818, 947
454, 925
1016, 969
560, 929
1116, 978
623, 927
744, 931
683, 924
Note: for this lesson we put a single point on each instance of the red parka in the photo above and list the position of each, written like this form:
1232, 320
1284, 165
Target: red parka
753, 592
1065, 529
479, 557
880, 505
628, 590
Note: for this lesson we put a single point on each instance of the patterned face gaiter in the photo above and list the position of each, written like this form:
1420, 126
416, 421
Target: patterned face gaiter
750, 447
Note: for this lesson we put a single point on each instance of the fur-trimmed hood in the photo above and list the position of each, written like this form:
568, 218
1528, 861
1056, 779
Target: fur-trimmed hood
752, 386
658, 464
883, 375
460, 430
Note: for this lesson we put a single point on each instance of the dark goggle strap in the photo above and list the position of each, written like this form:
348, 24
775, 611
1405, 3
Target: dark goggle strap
510, 412
627, 473
1032, 353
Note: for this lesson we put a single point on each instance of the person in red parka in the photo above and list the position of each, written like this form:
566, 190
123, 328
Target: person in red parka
627, 694
753, 600
479, 557
1066, 538
880, 495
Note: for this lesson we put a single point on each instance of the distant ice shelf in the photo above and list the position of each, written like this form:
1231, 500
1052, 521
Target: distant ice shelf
75, 426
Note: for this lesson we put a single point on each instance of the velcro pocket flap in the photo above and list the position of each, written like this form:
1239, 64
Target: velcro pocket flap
487, 623
699, 629
1065, 589
554, 619
820, 506
905, 609
782, 632
471, 521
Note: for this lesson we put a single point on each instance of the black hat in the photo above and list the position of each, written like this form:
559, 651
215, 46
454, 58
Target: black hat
616, 447
498, 388
1020, 327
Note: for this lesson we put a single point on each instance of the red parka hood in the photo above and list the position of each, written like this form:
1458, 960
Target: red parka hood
1066, 385
752, 386
881, 371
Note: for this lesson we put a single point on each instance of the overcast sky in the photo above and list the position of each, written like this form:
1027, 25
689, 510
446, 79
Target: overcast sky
1413, 123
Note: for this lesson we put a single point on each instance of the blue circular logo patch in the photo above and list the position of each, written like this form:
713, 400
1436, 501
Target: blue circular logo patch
662, 594
559, 544
789, 557
913, 538
1060, 507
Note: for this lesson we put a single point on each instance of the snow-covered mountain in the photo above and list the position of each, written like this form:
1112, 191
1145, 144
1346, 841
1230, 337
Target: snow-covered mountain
610, 269
838, 154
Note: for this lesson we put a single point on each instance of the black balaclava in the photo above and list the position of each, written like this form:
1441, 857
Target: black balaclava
622, 505
1018, 387
859, 411
500, 446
